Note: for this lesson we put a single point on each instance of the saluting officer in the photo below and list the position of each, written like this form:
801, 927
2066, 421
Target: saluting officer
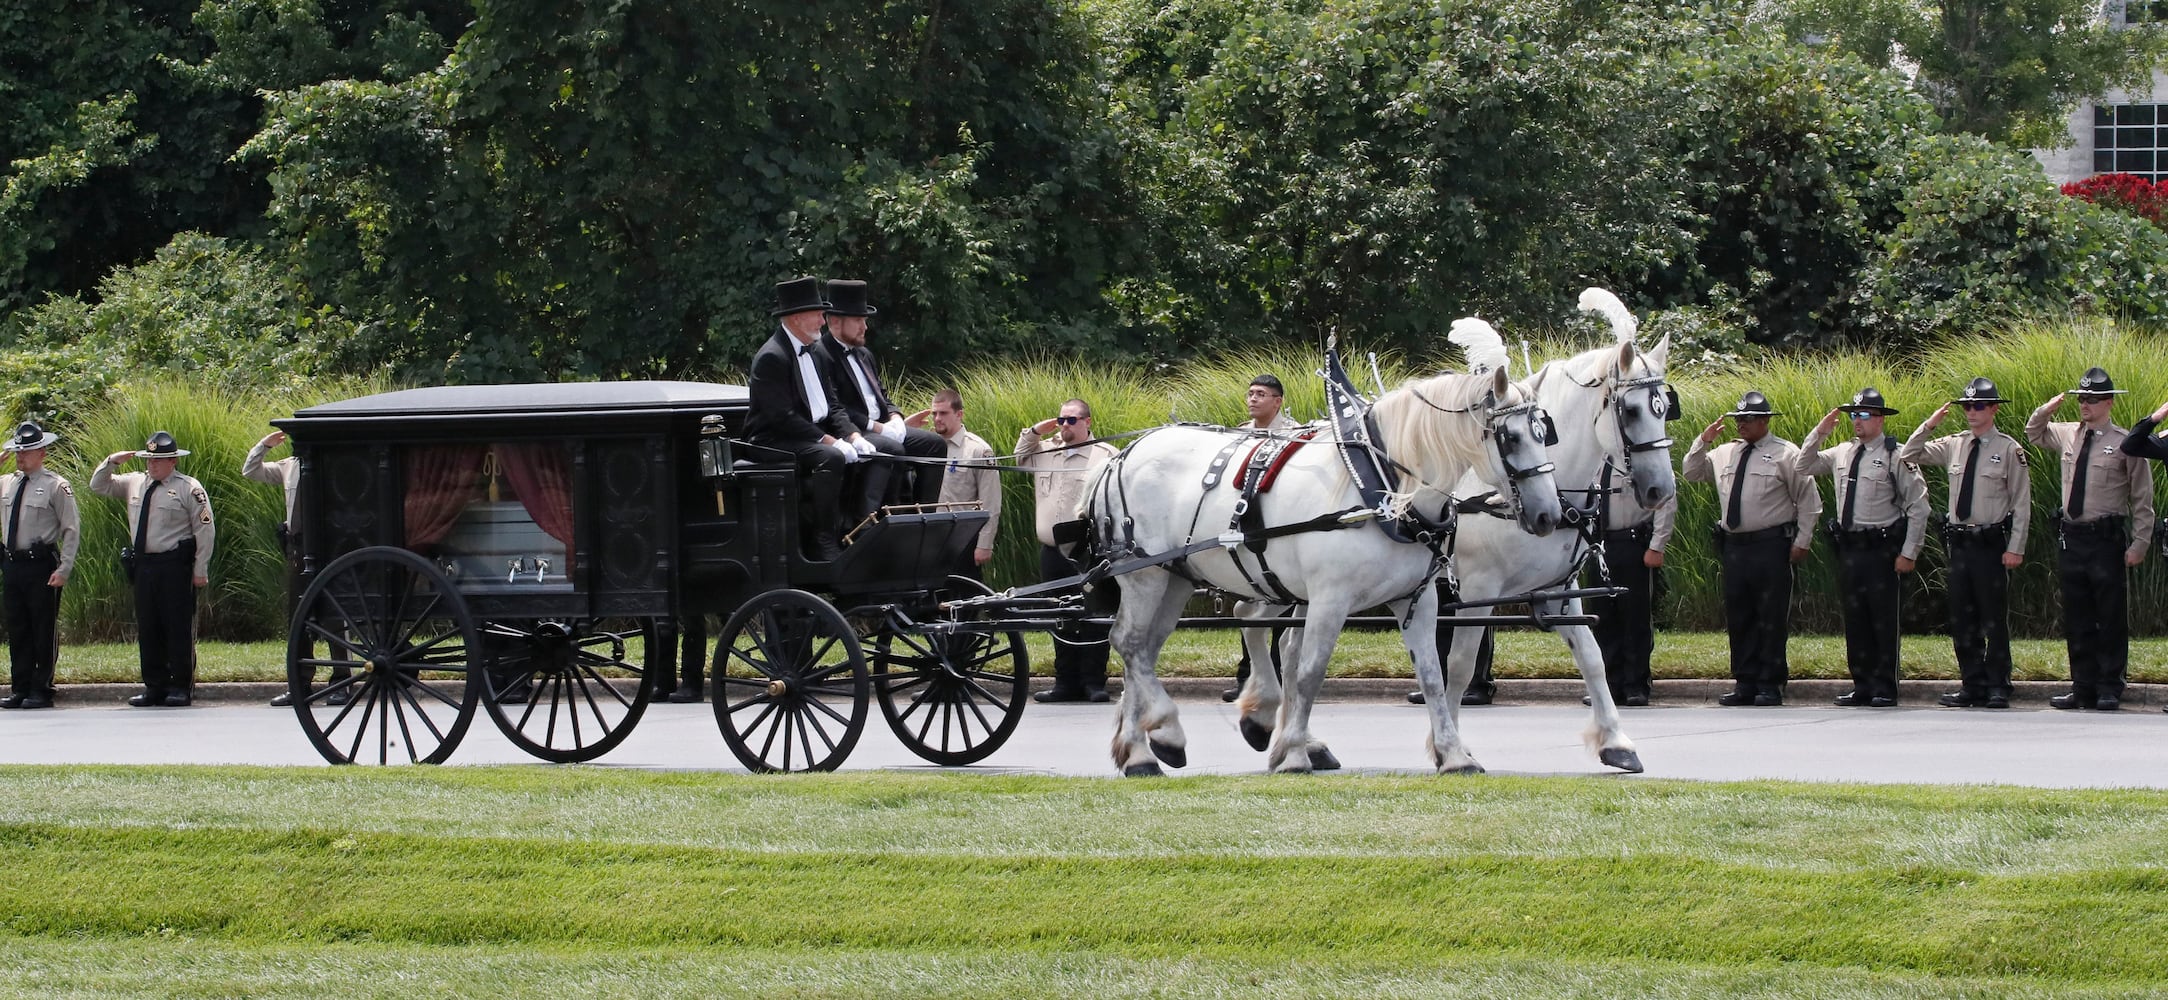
2142, 444
1984, 538
1880, 523
1765, 522
2106, 524
43, 528
169, 516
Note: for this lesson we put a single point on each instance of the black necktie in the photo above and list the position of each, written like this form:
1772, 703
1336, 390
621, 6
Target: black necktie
1964, 493
1851, 487
15, 510
1738, 486
143, 518
2077, 482
1603, 500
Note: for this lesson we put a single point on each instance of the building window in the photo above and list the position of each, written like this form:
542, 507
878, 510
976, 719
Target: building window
2128, 139
2145, 11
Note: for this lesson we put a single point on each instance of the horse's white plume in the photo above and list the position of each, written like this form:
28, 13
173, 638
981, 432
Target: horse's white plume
1486, 349
1607, 305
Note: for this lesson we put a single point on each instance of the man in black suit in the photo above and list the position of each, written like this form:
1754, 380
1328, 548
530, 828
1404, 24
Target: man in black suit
795, 409
858, 384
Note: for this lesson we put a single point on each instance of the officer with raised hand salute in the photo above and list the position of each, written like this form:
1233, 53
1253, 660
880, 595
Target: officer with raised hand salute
1881, 520
1984, 537
43, 528
2105, 525
169, 516
1765, 522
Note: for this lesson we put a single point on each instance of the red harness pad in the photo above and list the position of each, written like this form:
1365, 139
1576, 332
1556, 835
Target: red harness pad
1272, 472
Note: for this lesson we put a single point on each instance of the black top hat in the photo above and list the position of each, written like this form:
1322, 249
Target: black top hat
161, 445
1271, 382
30, 437
1870, 398
1753, 404
1981, 390
848, 298
2097, 383
798, 295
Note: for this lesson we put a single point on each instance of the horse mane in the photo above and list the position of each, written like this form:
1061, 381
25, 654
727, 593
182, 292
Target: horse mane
1435, 446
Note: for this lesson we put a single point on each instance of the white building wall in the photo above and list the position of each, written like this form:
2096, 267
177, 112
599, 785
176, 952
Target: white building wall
2075, 161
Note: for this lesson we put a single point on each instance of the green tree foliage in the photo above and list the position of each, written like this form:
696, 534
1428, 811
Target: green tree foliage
611, 189
2010, 70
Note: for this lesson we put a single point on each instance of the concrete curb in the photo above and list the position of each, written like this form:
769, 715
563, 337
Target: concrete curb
1693, 693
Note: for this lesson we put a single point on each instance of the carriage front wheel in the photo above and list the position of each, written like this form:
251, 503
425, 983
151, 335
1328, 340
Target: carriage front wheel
789, 684
955, 697
569, 690
378, 660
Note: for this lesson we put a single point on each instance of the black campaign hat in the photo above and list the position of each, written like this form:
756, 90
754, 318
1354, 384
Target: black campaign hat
1870, 398
161, 445
848, 298
1981, 390
1753, 404
2097, 383
30, 437
798, 295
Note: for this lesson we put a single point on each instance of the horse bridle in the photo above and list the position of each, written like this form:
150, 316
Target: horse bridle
1496, 417
1663, 402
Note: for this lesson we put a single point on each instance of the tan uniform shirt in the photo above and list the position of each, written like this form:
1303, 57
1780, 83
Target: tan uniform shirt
1059, 478
967, 483
1888, 488
49, 515
1280, 422
2115, 484
1776, 493
284, 472
2003, 487
179, 510
1621, 512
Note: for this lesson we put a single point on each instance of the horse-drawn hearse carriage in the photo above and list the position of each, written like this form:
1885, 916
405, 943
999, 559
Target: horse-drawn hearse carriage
530, 550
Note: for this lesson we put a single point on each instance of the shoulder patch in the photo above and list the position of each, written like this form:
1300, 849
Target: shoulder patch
199, 495
2022, 460
64, 487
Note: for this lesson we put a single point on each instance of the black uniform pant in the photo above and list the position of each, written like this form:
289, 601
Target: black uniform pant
1481, 682
1757, 598
1080, 650
2095, 588
1867, 576
1980, 613
920, 482
1625, 632
692, 653
165, 599
33, 613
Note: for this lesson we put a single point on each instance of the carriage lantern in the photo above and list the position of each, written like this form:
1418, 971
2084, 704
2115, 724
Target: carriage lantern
714, 447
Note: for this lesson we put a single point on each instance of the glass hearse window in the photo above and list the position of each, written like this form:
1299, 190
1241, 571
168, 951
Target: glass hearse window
495, 516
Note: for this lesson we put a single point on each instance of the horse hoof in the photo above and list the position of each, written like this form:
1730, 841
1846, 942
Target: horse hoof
1169, 754
1258, 736
1148, 769
1623, 759
1470, 767
1322, 759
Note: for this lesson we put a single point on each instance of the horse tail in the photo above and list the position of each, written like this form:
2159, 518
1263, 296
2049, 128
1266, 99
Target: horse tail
1607, 305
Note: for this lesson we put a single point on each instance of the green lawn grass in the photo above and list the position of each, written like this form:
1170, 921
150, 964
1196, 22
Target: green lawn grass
589, 881
1213, 652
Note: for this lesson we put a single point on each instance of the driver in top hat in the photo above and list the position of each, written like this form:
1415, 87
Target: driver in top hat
2106, 526
1765, 521
1983, 537
794, 408
169, 519
858, 385
1881, 520
42, 528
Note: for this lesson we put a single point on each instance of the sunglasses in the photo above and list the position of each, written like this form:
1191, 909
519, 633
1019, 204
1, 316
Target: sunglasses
1066, 421
2088, 398
1862, 414
1977, 407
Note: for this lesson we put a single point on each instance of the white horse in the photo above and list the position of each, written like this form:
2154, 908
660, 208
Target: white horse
1153, 499
1617, 395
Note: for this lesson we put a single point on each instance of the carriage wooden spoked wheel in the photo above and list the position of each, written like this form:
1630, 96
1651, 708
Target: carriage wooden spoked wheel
789, 683
378, 660
569, 691
952, 697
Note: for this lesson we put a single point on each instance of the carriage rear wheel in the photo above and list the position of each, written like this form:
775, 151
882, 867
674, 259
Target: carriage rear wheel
789, 684
569, 690
378, 660
953, 698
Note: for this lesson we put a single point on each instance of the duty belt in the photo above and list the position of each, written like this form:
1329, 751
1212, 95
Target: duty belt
1953, 532
38, 552
1883, 534
2111, 524
1748, 537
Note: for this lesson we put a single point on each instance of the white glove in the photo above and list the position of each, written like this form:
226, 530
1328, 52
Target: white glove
864, 446
850, 454
893, 429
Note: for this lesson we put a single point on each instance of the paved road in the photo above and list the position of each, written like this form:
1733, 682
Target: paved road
2038, 748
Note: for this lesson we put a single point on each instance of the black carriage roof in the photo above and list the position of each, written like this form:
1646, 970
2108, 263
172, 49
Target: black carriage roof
543, 402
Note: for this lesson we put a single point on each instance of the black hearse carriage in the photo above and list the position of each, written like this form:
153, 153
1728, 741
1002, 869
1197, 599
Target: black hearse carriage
533, 549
